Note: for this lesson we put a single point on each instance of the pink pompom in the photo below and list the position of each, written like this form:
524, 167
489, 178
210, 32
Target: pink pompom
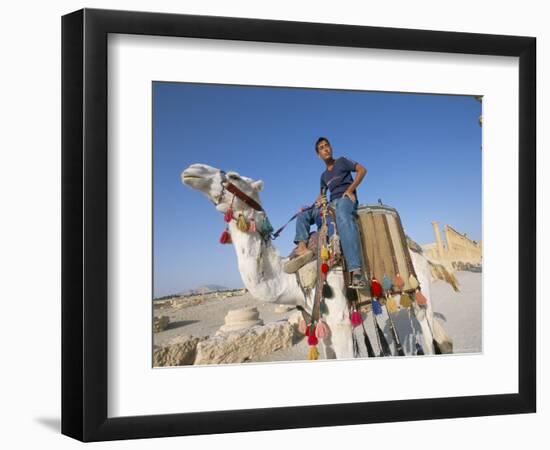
252, 226
322, 330
356, 318
302, 326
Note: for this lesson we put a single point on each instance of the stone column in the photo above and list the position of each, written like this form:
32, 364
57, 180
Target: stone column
451, 251
440, 253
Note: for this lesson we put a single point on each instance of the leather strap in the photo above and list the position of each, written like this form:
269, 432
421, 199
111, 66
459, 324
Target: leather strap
242, 196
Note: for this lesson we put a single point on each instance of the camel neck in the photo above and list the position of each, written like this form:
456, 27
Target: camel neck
261, 267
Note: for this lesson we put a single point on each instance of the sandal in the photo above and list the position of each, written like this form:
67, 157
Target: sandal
297, 262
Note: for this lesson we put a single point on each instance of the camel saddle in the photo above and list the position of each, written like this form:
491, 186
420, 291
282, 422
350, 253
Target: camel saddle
384, 245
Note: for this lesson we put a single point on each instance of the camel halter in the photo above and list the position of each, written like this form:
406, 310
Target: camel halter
264, 227
227, 185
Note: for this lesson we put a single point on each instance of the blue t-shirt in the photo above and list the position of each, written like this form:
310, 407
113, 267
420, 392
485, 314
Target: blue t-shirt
339, 178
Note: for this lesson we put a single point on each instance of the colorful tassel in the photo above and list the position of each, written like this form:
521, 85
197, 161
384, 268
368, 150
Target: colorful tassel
313, 354
312, 339
398, 282
413, 282
228, 216
302, 326
376, 307
405, 301
324, 268
327, 290
356, 318
265, 227
391, 304
375, 288
386, 283
242, 224
351, 294
252, 225
421, 300
321, 331
324, 253
225, 237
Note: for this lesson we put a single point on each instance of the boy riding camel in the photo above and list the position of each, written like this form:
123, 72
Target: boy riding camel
343, 198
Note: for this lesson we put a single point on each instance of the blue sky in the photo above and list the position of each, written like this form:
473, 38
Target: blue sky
422, 153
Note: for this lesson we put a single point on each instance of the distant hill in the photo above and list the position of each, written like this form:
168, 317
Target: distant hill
204, 289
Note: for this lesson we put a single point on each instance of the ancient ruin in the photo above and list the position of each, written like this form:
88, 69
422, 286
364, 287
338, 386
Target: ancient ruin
459, 251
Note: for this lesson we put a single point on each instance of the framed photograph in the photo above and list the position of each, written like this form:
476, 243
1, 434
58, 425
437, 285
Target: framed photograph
272, 224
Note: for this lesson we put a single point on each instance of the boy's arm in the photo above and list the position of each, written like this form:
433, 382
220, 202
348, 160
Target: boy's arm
361, 172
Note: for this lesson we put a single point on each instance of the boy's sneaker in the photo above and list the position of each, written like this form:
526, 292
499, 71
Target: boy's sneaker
357, 281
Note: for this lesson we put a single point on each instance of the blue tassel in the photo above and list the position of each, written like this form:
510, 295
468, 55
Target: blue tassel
376, 307
386, 283
265, 228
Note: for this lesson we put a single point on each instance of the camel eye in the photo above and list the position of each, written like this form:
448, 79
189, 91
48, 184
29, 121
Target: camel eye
233, 176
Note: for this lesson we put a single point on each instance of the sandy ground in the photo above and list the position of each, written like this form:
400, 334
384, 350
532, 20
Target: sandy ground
460, 313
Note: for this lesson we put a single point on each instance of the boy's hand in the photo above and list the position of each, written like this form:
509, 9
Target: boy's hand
320, 200
350, 196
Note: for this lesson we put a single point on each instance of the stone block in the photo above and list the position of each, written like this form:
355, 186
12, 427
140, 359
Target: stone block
180, 351
245, 345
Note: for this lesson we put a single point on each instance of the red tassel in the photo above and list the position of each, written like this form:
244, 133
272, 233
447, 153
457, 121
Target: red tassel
225, 238
356, 318
312, 339
228, 215
324, 268
420, 298
375, 288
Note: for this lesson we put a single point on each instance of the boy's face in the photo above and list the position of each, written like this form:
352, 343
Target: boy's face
324, 150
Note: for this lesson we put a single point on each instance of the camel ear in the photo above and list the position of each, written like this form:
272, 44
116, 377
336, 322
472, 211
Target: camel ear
258, 185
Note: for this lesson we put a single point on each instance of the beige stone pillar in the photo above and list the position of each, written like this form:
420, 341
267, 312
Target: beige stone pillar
449, 240
435, 224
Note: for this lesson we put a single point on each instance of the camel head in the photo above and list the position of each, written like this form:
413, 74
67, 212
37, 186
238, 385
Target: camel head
209, 181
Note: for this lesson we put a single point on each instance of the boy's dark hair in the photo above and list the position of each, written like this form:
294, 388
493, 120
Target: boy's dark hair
321, 139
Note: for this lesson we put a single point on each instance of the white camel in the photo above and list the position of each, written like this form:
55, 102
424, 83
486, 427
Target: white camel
261, 266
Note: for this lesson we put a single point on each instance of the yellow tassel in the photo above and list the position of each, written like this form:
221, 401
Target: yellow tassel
405, 301
324, 253
313, 353
413, 282
241, 223
391, 304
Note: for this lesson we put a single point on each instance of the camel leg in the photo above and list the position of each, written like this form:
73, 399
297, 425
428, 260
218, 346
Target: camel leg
423, 273
422, 317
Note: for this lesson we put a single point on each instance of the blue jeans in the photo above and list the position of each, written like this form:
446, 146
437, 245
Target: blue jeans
345, 211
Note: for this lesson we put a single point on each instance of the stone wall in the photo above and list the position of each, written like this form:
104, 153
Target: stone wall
458, 250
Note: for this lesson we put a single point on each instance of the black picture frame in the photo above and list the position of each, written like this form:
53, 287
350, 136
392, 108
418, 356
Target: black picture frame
84, 224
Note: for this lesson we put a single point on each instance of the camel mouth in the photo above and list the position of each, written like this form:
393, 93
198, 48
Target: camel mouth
192, 179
